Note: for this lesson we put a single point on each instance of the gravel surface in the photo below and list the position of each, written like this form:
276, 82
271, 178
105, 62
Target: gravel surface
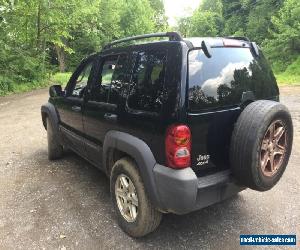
66, 204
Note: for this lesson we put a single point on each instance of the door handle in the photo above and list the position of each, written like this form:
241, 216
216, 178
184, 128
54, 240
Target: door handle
76, 108
110, 117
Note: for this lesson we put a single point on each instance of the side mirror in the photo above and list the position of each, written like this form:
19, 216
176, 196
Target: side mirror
55, 91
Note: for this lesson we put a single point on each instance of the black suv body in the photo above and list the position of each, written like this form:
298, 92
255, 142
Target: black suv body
136, 101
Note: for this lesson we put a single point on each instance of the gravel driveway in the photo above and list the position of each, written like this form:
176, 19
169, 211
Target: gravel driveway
66, 204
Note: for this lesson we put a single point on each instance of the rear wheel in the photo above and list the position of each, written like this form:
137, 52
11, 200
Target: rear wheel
135, 213
261, 144
55, 150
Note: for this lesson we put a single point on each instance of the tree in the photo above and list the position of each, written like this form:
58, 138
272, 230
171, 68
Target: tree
205, 23
110, 20
284, 44
259, 19
207, 20
235, 13
213, 6
184, 26
137, 18
160, 18
37, 35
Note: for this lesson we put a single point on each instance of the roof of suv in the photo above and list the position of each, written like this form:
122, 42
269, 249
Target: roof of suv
218, 41
192, 42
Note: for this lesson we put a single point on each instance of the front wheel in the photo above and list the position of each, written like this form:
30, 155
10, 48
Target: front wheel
135, 213
55, 150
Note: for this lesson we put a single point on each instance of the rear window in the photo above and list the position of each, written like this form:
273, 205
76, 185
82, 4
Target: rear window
220, 81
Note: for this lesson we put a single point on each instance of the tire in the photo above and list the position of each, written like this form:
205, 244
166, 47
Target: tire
147, 217
55, 150
256, 155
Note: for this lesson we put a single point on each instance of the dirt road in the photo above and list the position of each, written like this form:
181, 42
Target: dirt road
66, 204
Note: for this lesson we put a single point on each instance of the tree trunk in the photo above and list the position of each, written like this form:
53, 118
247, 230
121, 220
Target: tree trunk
38, 32
61, 58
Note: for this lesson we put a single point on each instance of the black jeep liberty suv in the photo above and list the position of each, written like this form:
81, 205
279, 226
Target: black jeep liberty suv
176, 124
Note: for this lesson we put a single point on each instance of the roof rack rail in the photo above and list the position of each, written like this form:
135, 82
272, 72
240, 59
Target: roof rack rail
173, 36
242, 38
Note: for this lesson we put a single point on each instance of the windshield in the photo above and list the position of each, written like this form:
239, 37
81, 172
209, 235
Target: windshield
222, 79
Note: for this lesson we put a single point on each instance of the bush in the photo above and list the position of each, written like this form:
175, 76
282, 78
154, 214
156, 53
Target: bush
19, 67
291, 75
6, 85
60, 78
294, 68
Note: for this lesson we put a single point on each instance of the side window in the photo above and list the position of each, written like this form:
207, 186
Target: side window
148, 81
119, 79
82, 80
107, 88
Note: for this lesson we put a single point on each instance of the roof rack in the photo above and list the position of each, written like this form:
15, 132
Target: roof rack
173, 36
242, 38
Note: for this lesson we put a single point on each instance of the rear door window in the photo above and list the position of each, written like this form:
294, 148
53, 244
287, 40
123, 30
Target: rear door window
146, 92
220, 81
109, 86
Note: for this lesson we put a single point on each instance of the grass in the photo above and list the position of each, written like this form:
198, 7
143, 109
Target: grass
291, 76
13, 88
287, 79
60, 78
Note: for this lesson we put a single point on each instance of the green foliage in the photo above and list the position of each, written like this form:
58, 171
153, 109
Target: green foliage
60, 78
7, 85
294, 68
40, 36
284, 44
213, 6
291, 75
184, 26
287, 79
110, 19
259, 20
137, 18
207, 20
160, 18
273, 24
235, 13
205, 23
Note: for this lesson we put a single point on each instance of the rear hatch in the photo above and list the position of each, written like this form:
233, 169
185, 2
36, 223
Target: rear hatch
217, 89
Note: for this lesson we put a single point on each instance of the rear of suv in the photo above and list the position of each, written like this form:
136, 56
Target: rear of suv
177, 124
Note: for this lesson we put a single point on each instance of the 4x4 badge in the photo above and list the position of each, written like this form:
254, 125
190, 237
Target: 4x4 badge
202, 160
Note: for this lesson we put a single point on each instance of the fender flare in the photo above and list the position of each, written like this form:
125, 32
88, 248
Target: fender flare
140, 152
48, 110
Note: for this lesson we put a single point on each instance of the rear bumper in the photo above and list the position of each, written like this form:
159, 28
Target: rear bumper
181, 192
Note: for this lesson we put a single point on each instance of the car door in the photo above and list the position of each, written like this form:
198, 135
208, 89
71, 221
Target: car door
104, 103
70, 107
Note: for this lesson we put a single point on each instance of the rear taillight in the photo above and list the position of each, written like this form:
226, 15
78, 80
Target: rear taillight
178, 146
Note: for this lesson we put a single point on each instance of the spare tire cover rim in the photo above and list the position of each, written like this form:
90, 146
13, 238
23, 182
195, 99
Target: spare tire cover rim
273, 148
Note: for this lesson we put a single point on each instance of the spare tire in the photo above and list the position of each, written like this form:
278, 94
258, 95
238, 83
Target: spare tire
261, 144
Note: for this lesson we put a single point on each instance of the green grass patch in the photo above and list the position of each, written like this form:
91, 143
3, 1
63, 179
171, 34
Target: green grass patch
7, 86
60, 78
291, 76
287, 79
